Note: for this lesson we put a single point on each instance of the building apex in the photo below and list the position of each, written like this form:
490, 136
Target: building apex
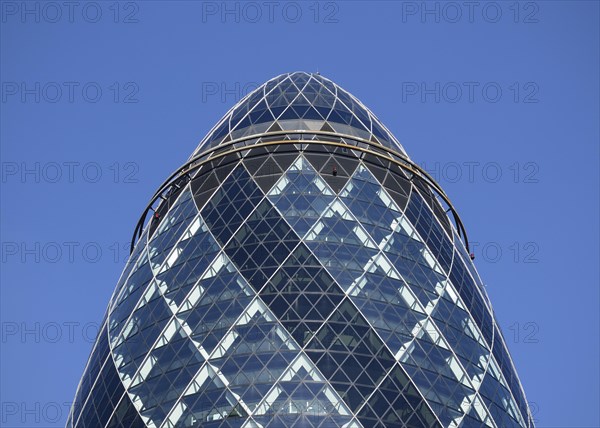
299, 101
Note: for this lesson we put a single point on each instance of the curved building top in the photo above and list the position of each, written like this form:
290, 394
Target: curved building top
299, 101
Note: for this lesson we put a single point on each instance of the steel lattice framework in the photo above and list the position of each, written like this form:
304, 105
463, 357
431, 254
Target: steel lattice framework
300, 270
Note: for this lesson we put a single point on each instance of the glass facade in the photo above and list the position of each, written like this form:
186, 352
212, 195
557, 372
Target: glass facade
299, 270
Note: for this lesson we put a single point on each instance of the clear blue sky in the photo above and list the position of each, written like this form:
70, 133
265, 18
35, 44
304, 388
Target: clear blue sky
101, 101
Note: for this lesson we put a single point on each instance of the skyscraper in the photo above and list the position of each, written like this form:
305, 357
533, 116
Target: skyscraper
300, 270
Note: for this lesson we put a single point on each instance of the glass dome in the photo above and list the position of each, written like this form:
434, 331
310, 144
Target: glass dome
299, 101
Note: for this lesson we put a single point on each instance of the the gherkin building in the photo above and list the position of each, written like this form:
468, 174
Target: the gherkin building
299, 270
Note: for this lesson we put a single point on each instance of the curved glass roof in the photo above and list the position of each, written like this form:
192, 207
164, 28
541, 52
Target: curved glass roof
299, 101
